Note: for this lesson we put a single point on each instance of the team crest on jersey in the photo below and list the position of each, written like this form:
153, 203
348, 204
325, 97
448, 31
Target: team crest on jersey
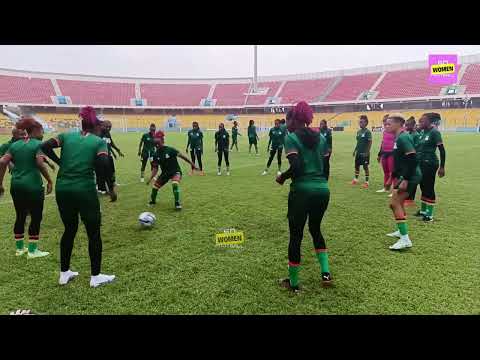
363, 135
426, 138
395, 145
167, 156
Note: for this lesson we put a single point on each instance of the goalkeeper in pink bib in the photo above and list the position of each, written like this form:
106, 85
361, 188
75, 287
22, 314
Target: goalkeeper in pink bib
385, 156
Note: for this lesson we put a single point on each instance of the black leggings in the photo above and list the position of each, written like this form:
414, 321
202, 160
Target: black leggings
223, 153
427, 185
71, 204
301, 206
234, 143
102, 182
277, 151
326, 166
25, 204
144, 162
198, 153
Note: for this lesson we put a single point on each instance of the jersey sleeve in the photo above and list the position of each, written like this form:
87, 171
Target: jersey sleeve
102, 148
369, 135
406, 145
437, 138
290, 146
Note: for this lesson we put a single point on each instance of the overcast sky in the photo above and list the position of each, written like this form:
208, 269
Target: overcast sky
199, 61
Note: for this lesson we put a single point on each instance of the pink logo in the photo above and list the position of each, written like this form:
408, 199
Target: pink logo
443, 69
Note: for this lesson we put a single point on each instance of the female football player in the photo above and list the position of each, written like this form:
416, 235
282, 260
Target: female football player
26, 188
327, 134
309, 194
385, 157
429, 140
410, 127
222, 139
277, 138
81, 153
195, 142
407, 175
235, 135
362, 151
146, 152
252, 136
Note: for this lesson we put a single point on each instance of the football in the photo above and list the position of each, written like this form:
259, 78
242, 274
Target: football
147, 219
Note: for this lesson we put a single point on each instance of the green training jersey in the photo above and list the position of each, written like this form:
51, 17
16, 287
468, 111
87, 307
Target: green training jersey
195, 139
327, 135
148, 144
415, 137
364, 136
252, 132
277, 136
77, 160
427, 145
4, 147
166, 158
234, 133
26, 175
222, 140
404, 145
313, 176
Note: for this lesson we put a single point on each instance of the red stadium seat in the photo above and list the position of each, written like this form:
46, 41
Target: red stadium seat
16, 89
97, 93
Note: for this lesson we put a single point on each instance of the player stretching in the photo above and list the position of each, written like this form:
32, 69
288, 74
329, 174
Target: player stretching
235, 135
146, 152
385, 157
75, 192
165, 157
222, 139
277, 138
407, 175
430, 138
26, 187
410, 126
252, 136
195, 142
362, 151
309, 194
327, 135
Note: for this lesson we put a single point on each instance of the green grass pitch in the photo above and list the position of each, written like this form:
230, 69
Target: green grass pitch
175, 267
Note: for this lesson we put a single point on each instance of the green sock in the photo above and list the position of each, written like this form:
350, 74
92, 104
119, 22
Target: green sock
322, 257
429, 211
403, 228
293, 275
424, 208
19, 244
32, 246
154, 195
176, 192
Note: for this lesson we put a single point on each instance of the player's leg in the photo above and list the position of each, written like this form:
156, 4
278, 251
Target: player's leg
176, 189
428, 196
36, 215
297, 217
256, 147
396, 204
219, 162
144, 164
269, 162
157, 184
424, 190
366, 162
67, 207
21, 213
318, 204
112, 171
227, 161
326, 166
357, 170
91, 218
386, 175
279, 160
200, 164
192, 157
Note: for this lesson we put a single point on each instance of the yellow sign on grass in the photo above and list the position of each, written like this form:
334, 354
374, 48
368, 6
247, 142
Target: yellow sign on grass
230, 238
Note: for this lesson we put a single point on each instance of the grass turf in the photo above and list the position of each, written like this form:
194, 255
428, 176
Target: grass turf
175, 267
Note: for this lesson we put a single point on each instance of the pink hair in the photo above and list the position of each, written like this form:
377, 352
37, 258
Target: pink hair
89, 117
303, 113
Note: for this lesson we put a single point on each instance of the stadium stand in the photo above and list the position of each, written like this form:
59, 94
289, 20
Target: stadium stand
350, 87
230, 94
97, 93
16, 89
307, 90
174, 94
407, 83
261, 99
471, 79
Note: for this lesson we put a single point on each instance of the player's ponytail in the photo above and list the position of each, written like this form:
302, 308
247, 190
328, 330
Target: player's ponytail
28, 124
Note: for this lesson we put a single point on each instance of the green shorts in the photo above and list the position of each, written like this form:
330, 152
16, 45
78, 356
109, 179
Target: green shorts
252, 141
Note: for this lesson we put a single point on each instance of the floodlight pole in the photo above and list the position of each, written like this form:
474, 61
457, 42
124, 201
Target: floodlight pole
254, 68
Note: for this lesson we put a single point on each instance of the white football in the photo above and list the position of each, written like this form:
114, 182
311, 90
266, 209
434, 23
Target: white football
147, 219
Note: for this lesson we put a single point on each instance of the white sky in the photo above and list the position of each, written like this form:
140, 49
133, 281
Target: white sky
200, 61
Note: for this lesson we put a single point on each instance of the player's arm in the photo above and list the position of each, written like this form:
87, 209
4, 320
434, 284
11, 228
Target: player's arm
41, 160
116, 148
50, 165
269, 139
140, 147
216, 142
330, 142
369, 142
154, 171
201, 142
188, 142
443, 155
295, 165
228, 141
4, 161
187, 160
48, 146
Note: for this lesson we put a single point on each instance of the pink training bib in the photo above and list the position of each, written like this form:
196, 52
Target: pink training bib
388, 141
